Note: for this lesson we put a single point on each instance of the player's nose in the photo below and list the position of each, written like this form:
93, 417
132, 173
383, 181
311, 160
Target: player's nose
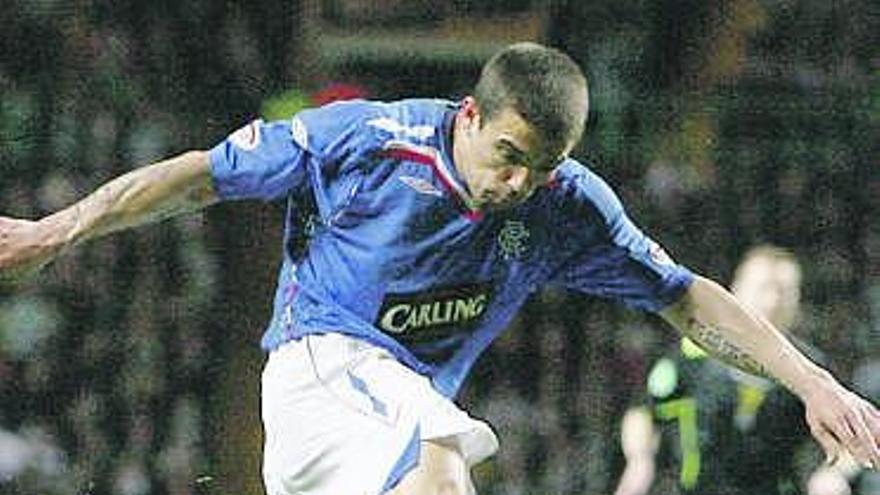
518, 180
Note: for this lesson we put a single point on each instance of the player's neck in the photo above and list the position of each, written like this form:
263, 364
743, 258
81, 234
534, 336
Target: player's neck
458, 144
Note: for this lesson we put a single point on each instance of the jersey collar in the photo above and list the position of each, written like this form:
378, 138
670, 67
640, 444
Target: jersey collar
447, 162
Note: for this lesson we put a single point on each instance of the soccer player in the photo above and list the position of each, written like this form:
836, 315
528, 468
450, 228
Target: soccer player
723, 431
414, 231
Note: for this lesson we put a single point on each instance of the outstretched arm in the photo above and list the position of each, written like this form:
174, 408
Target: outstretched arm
840, 420
149, 194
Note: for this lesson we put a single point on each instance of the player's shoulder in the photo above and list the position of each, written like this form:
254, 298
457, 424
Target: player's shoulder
415, 119
369, 124
390, 116
417, 109
577, 187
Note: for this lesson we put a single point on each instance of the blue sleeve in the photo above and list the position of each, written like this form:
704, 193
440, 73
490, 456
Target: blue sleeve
267, 160
612, 258
258, 161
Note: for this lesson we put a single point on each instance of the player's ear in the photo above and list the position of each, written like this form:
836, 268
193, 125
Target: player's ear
470, 113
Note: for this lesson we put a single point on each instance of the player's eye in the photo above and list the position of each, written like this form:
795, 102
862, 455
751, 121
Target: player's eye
512, 159
509, 155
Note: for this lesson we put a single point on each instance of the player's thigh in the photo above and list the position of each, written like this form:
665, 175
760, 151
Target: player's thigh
441, 471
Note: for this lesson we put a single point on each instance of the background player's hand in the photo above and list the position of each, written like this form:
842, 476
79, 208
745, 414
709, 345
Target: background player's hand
24, 248
636, 480
826, 481
843, 422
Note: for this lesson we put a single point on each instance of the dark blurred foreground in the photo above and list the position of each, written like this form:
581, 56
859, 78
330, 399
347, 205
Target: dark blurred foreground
131, 366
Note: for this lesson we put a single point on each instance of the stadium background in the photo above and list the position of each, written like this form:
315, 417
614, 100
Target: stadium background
131, 365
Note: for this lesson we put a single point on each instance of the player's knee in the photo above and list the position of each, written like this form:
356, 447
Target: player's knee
441, 471
450, 486
437, 486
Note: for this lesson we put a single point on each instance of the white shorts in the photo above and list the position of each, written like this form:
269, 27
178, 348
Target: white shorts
343, 417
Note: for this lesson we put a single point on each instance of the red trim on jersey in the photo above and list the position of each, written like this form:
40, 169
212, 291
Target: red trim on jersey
425, 155
474, 215
553, 182
410, 156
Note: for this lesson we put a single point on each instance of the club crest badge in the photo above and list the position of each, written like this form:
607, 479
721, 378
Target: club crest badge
513, 240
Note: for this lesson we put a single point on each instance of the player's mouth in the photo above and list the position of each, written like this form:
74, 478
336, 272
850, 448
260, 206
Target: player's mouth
496, 201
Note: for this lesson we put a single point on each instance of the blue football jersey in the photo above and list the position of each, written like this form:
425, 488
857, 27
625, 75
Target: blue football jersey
382, 242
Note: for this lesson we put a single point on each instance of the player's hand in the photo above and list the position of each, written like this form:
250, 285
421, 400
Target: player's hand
843, 422
24, 248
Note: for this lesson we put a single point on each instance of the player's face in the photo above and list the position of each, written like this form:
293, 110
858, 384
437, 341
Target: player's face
504, 159
772, 289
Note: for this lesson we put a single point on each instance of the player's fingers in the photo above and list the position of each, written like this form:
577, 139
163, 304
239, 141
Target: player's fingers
871, 419
863, 417
853, 431
829, 444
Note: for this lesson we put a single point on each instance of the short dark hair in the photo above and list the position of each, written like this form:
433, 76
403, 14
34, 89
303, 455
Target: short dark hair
542, 84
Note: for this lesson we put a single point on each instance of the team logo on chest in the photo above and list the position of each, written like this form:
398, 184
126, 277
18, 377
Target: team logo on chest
513, 239
421, 185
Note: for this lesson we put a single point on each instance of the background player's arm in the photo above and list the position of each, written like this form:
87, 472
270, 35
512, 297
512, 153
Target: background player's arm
639, 441
145, 195
839, 419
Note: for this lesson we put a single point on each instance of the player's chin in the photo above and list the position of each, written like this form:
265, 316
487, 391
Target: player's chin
496, 202
499, 205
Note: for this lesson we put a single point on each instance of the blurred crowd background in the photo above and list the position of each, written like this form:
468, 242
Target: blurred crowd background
131, 365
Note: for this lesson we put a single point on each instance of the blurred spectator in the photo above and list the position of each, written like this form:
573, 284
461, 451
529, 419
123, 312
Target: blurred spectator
722, 431
29, 461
